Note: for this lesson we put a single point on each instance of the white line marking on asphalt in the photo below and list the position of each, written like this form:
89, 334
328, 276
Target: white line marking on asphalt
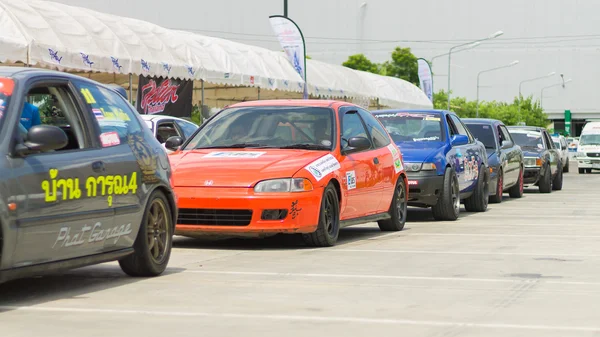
389, 277
360, 320
510, 235
457, 253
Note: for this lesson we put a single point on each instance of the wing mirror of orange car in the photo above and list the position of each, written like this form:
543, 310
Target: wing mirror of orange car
173, 143
357, 144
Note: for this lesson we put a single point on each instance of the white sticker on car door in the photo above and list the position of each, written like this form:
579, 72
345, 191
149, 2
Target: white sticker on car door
351, 180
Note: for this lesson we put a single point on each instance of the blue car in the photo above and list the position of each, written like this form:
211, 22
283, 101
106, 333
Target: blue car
445, 164
505, 157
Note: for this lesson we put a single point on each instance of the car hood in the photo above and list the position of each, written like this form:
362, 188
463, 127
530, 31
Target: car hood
237, 167
418, 152
532, 152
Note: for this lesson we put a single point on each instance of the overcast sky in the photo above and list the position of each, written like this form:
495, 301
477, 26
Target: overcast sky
544, 35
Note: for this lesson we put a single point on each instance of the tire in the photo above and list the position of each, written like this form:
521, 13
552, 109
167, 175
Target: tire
566, 167
448, 205
558, 180
478, 201
517, 190
497, 198
328, 229
581, 171
149, 258
546, 181
397, 211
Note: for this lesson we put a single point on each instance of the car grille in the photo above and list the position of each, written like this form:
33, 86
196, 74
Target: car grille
214, 217
593, 154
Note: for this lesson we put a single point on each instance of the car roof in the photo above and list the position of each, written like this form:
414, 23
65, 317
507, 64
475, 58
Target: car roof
520, 127
482, 121
292, 102
158, 117
412, 110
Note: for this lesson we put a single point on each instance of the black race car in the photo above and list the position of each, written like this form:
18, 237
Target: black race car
82, 179
543, 167
505, 157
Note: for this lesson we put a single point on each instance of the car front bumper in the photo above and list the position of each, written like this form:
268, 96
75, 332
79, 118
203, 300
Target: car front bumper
424, 188
531, 175
239, 212
588, 162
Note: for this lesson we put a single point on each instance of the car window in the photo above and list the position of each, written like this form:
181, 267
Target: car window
484, 133
413, 126
55, 105
187, 128
549, 142
379, 136
461, 128
165, 130
352, 126
265, 126
505, 134
112, 113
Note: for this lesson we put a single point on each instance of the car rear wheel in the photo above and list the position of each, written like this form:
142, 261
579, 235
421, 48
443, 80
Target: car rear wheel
397, 210
154, 240
478, 201
328, 229
546, 181
517, 190
558, 180
566, 167
448, 204
497, 198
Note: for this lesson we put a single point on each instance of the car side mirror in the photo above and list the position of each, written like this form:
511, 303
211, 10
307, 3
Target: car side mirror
42, 138
506, 144
173, 143
357, 144
458, 140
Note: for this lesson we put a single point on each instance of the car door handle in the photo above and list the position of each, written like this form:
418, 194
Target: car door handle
98, 166
375, 160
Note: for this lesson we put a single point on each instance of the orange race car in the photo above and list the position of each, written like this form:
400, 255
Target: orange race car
288, 166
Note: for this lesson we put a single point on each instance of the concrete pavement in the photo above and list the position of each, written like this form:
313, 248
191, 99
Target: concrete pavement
528, 267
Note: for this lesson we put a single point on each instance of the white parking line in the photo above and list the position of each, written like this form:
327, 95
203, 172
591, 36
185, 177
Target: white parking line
445, 252
509, 235
389, 277
336, 319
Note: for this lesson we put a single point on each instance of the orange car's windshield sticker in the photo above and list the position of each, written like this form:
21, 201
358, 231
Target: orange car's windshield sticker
234, 154
323, 166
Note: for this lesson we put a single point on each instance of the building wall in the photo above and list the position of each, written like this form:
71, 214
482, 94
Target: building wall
335, 29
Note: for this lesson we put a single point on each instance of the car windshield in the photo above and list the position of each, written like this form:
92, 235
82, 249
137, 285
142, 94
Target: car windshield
267, 127
413, 126
526, 138
484, 133
589, 139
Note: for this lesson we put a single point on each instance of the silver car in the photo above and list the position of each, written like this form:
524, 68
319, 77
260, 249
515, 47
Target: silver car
562, 146
163, 127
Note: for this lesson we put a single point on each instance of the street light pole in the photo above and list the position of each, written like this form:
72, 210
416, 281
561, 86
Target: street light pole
530, 80
285, 8
493, 36
515, 62
551, 86
472, 45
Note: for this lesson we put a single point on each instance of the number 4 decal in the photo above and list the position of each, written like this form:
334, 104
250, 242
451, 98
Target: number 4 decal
89, 98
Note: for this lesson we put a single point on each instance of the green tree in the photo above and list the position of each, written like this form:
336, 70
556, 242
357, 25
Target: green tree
361, 62
403, 65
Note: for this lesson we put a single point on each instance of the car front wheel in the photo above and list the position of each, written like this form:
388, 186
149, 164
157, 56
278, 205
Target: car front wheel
328, 229
397, 210
154, 240
478, 201
448, 204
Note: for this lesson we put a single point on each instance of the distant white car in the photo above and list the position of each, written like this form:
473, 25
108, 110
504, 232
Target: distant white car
563, 148
164, 127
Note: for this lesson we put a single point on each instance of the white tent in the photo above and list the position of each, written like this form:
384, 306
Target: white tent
68, 38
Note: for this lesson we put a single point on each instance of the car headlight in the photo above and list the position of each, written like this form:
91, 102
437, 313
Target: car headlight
532, 161
416, 167
284, 185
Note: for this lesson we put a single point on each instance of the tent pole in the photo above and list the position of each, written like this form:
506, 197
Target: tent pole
130, 88
201, 93
29, 56
378, 106
259, 93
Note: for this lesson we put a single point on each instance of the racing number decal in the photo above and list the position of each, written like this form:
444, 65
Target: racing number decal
89, 98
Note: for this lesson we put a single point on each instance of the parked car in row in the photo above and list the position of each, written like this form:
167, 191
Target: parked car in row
560, 143
164, 127
90, 184
543, 166
505, 157
288, 166
445, 164
588, 151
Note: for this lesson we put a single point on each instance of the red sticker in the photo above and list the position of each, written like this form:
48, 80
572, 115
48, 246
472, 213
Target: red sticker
413, 182
110, 139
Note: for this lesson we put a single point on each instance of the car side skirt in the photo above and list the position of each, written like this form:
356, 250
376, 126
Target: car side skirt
365, 219
64, 265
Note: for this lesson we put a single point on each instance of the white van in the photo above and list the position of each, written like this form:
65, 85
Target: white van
588, 150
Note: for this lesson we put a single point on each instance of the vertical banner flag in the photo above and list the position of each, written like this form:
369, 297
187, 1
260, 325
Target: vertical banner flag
425, 78
292, 41
164, 96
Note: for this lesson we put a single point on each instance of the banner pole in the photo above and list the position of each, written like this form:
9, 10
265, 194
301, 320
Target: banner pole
130, 88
